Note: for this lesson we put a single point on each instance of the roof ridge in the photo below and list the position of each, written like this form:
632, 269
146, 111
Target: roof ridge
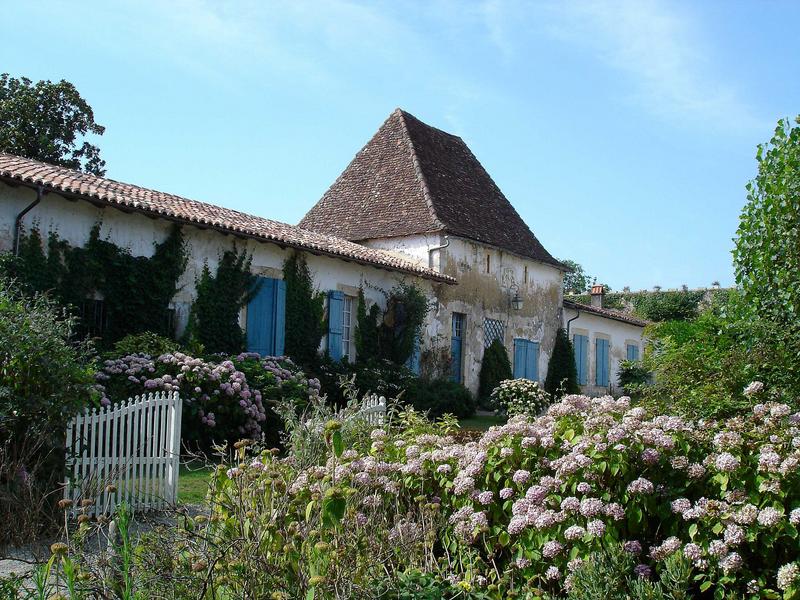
426, 192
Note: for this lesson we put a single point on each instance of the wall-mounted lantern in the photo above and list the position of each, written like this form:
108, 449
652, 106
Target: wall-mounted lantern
516, 301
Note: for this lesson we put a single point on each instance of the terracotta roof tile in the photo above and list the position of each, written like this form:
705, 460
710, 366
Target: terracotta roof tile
606, 312
127, 196
413, 178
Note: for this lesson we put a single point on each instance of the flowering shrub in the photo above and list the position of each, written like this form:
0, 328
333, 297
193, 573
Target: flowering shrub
520, 397
523, 507
222, 400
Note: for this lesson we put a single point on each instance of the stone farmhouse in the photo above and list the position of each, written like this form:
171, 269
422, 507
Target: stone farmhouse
414, 205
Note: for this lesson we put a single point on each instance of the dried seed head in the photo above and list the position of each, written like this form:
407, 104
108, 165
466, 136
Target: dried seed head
64, 503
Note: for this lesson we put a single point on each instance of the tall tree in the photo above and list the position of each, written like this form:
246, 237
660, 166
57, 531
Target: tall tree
767, 251
576, 282
562, 375
304, 311
45, 120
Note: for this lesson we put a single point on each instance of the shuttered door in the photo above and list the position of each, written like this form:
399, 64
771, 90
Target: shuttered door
520, 352
266, 318
526, 359
335, 313
413, 361
456, 347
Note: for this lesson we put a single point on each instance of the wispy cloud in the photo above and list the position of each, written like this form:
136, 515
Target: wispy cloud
660, 46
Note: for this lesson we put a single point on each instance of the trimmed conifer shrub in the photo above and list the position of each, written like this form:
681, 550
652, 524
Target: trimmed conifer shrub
562, 376
495, 368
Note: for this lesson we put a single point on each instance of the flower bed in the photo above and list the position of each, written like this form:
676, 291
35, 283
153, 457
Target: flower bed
223, 399
526, 505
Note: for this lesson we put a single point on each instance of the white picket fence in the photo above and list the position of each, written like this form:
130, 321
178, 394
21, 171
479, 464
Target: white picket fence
373, 409
127, 452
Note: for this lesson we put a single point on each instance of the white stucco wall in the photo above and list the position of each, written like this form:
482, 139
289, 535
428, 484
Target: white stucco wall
73, 220
619, 335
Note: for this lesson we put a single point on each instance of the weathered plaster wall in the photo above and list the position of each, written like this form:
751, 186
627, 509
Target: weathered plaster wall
481, 294
619, 335
73, 220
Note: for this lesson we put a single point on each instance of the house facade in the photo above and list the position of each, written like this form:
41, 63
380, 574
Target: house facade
414, 205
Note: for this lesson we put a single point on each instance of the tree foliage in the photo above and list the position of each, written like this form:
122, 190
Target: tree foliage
304, 311
577, 281
46, 121
562, 374
214, 319
495, 367
767, 251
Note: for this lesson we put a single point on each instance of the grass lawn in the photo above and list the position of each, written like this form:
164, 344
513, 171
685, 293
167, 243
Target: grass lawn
193, 483
481, 422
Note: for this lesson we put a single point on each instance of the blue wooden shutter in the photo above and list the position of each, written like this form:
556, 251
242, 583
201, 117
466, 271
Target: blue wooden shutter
335, 326
260, 310
532, 361
633, 352
601, 362
280, 318
413, 361
520, 352
580, 346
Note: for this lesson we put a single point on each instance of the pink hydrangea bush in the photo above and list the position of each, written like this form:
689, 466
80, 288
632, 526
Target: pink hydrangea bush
223, 399
520, 507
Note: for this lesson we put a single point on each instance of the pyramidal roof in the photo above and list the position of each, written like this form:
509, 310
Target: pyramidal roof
412, 178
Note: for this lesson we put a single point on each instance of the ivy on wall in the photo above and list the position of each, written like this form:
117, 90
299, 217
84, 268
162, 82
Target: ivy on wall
214, 317
305, 309
391, 334
668, 305
136, 290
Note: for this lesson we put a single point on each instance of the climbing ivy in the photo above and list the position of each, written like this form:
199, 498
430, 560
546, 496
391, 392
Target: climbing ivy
304, 311
214, 317
136, 290
391, 334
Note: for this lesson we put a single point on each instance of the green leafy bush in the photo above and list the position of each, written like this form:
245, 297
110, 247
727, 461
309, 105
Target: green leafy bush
632, 375
146, 342
45, 378
439, 397
495, 367
304, 311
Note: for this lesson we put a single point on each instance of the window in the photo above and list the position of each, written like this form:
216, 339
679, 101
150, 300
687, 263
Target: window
493, 329
93, 321
488, 263
580, 346
525, 274
601, 362
633, 352
526, 359
456, 346
347, 327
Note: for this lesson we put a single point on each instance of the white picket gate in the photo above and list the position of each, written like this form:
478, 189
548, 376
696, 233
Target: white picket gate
373, 409
127, 452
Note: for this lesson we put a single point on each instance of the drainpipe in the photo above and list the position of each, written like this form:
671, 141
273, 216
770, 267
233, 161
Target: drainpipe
577, 314
442, 247
18, 221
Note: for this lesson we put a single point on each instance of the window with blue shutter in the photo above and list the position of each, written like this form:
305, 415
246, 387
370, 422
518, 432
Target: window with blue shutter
266, 318
601, 362
633, 352
580, 347
456, 346
335, 314
526, 359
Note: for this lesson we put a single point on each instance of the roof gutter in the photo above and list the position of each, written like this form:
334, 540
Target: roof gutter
431, 250
21, 215
577, 314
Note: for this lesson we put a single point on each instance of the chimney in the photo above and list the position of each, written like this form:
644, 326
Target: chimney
597, 295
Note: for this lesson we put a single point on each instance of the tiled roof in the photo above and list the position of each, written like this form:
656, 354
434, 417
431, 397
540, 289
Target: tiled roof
132, 197
413, 178
606, 313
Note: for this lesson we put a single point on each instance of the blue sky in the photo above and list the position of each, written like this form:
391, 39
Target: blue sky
623, 132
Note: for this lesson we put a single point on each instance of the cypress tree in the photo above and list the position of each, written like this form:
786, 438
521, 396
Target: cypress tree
304, 311
495, 367
562, 375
